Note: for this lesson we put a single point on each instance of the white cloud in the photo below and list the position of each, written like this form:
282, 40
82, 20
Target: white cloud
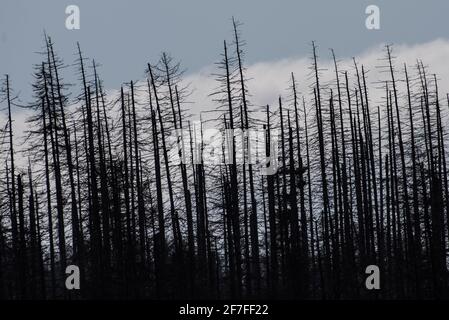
269, 79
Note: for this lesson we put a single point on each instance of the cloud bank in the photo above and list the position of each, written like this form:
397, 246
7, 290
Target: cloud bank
269, 79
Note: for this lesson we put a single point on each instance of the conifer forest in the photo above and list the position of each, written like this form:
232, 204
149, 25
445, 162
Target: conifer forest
94, 182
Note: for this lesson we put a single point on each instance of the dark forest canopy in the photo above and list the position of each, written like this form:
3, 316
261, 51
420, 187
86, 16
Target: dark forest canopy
357, 185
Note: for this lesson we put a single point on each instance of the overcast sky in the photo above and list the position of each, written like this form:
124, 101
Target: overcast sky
124, 35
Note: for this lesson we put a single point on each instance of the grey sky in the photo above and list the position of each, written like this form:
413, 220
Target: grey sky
124, 35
